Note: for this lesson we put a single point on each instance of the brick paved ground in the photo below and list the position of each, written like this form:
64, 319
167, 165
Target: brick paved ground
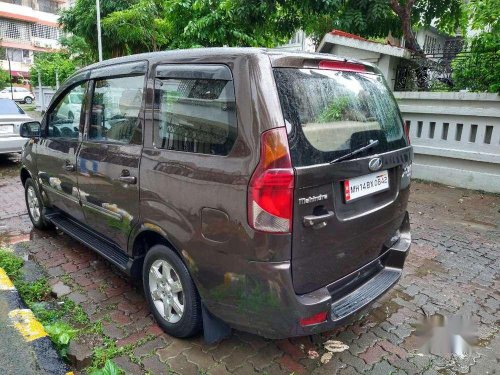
453, 270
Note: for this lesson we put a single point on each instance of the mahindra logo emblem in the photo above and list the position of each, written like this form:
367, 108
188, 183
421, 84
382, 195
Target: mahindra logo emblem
375, 164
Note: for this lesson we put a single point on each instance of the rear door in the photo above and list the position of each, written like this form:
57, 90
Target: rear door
348, 203
108, 161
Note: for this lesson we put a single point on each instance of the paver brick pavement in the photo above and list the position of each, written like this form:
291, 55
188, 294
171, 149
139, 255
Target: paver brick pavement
452, 269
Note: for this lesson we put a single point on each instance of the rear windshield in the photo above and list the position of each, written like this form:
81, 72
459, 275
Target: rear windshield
331, 113
9, 107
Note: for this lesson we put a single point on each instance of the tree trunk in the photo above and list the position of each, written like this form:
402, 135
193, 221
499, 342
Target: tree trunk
404, 14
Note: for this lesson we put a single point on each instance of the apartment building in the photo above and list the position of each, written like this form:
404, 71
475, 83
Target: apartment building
27, 26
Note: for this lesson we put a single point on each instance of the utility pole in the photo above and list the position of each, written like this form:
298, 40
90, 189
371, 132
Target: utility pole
10, 75
99, 42
40, 92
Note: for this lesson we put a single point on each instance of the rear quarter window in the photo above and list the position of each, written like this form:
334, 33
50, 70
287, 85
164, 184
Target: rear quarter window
195, 109
330, 113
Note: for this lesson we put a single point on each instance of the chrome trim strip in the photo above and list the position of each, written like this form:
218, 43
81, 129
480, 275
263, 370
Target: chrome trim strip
102, 210
60, 193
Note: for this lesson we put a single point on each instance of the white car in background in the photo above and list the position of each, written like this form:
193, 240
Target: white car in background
19, 94
11, 118
72, 105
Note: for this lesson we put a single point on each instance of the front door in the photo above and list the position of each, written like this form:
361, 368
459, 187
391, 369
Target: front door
56, 152
108, 161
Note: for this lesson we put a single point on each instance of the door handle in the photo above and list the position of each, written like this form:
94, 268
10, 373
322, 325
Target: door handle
127, 178
317, 221
69, 167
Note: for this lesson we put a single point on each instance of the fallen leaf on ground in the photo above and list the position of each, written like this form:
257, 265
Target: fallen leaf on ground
312, 354
335, 346
325, 358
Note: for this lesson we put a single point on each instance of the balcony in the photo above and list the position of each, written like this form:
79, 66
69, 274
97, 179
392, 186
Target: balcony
48, 6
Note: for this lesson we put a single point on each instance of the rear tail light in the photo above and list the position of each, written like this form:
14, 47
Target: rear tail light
407, 131
314, 319
270, 192
341, 65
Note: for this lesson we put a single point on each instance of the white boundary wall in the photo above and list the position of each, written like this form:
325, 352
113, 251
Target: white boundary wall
456, 137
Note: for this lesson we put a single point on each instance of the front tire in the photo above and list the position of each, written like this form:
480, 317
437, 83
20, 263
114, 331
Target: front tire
171, 293
35, 205
28, 100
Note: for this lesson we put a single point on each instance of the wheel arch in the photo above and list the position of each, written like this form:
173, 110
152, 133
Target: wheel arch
143, 239
24, 174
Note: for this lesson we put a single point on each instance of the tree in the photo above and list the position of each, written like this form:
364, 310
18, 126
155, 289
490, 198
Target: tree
47, 64
150, 25
4, 79
375, 18
80, 20
479, 69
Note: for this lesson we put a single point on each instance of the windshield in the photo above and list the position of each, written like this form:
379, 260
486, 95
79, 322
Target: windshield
331, 113
8, 107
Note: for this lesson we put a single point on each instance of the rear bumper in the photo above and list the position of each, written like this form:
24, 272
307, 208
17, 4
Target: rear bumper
277, 310
11, 144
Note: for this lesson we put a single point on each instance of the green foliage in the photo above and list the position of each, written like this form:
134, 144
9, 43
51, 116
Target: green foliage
78, 50
479, 69
335, 110
47, 64
110, 368
36, 291
61, 333
4, 79
10, 263
152, 25
80, 20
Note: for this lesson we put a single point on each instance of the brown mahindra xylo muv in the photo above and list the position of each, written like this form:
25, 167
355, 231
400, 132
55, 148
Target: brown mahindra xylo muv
249, 188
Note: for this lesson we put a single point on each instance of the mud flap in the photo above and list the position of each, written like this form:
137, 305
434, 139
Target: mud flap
214, 329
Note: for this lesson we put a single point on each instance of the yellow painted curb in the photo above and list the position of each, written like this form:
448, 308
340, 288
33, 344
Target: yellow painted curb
27, 325
5, 283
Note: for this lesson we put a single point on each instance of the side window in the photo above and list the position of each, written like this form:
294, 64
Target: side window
64, 119
116, 105
195, 114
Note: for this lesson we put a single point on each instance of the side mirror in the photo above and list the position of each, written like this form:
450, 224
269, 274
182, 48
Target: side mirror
30, 129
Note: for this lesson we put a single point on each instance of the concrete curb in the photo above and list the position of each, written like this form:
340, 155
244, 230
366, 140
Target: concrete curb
31, 330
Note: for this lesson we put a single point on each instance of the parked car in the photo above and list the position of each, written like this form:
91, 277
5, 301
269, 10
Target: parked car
19, 94
260, 190
11, 118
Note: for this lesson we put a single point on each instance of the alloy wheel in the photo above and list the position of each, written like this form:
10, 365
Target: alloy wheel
166, 290
33, 203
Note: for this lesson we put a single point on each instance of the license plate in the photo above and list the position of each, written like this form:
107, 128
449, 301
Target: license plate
5, 129
361, 186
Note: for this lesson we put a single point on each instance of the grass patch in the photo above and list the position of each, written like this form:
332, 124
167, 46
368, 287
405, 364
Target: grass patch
10, 263
63, 319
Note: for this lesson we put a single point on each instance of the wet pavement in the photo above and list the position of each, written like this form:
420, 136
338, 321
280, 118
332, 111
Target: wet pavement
446, 302
16, 355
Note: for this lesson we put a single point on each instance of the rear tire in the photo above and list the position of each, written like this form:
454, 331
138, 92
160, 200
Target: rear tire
171, 293
35, 206
28, 100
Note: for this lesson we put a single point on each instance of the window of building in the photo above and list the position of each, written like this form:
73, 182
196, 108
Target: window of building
116, 105
196, 114
44, 31
11, 30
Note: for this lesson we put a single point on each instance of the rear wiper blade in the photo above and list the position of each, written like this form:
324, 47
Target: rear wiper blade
357, 151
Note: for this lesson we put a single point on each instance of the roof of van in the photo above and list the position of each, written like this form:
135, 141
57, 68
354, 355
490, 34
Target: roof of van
219, 51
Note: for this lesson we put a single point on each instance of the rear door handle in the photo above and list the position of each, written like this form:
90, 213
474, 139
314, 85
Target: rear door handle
127, 178
317, 221
68, 166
